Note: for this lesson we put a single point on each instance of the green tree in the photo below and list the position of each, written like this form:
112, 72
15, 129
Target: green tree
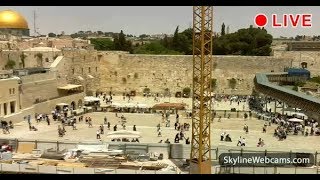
154, 47
10, 64
102, 44
165, 42
223, 29
121, 44
52, 35
100, 33
175, 40
249, 42
143, 36
122, 41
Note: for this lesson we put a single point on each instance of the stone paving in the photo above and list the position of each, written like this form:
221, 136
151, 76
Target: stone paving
146, 124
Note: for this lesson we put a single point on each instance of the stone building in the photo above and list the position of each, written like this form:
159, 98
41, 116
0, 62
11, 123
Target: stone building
9, 96
304, 46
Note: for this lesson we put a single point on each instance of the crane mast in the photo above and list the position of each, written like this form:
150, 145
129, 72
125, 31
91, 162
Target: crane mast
200, 158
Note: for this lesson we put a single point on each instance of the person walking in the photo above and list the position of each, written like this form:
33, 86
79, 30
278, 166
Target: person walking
239, 141
98, 134
108, 125
105, 120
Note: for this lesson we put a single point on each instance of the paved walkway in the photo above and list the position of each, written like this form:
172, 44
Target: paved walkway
146, 124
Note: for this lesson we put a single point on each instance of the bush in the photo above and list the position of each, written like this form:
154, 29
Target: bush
10, 64
186, 92
136, 75
146, 90
213, 83
39, 55
295, 88
124, 80
315, 79
299, 84
232, 83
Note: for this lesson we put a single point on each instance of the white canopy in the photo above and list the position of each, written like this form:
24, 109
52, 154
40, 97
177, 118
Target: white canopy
62, 104
300, 115
295, 120
117, 136
90, 99
123, 134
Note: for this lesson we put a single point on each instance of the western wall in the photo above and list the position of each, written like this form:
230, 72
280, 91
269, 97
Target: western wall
122, 72
125, 72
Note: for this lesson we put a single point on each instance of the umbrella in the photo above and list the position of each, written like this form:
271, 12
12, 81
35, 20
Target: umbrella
295, 120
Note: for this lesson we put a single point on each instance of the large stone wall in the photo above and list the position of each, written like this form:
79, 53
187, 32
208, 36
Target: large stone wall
31, 59
312, 58
125, 72
42, 87
80, 67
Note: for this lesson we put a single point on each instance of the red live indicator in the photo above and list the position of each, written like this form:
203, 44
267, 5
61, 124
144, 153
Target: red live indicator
285, 20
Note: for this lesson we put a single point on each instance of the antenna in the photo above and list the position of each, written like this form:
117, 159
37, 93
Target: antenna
34, 24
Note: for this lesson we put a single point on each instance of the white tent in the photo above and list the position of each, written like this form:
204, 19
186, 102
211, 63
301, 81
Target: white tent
295, 120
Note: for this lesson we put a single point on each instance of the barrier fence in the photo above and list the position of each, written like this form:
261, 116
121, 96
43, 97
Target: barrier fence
172, 151
264, 170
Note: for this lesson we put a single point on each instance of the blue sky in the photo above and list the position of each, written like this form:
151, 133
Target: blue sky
154, 19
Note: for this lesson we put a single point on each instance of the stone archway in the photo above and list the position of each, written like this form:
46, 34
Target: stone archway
80, 103
73, 105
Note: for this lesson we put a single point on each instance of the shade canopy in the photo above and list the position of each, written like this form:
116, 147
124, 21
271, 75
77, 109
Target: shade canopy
295, 120
70, 87
62, 104
166, 106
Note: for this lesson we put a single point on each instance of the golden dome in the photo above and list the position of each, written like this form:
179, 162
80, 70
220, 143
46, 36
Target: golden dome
12, 19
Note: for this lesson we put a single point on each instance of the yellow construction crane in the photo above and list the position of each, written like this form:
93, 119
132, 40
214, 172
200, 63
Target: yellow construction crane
200, 158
